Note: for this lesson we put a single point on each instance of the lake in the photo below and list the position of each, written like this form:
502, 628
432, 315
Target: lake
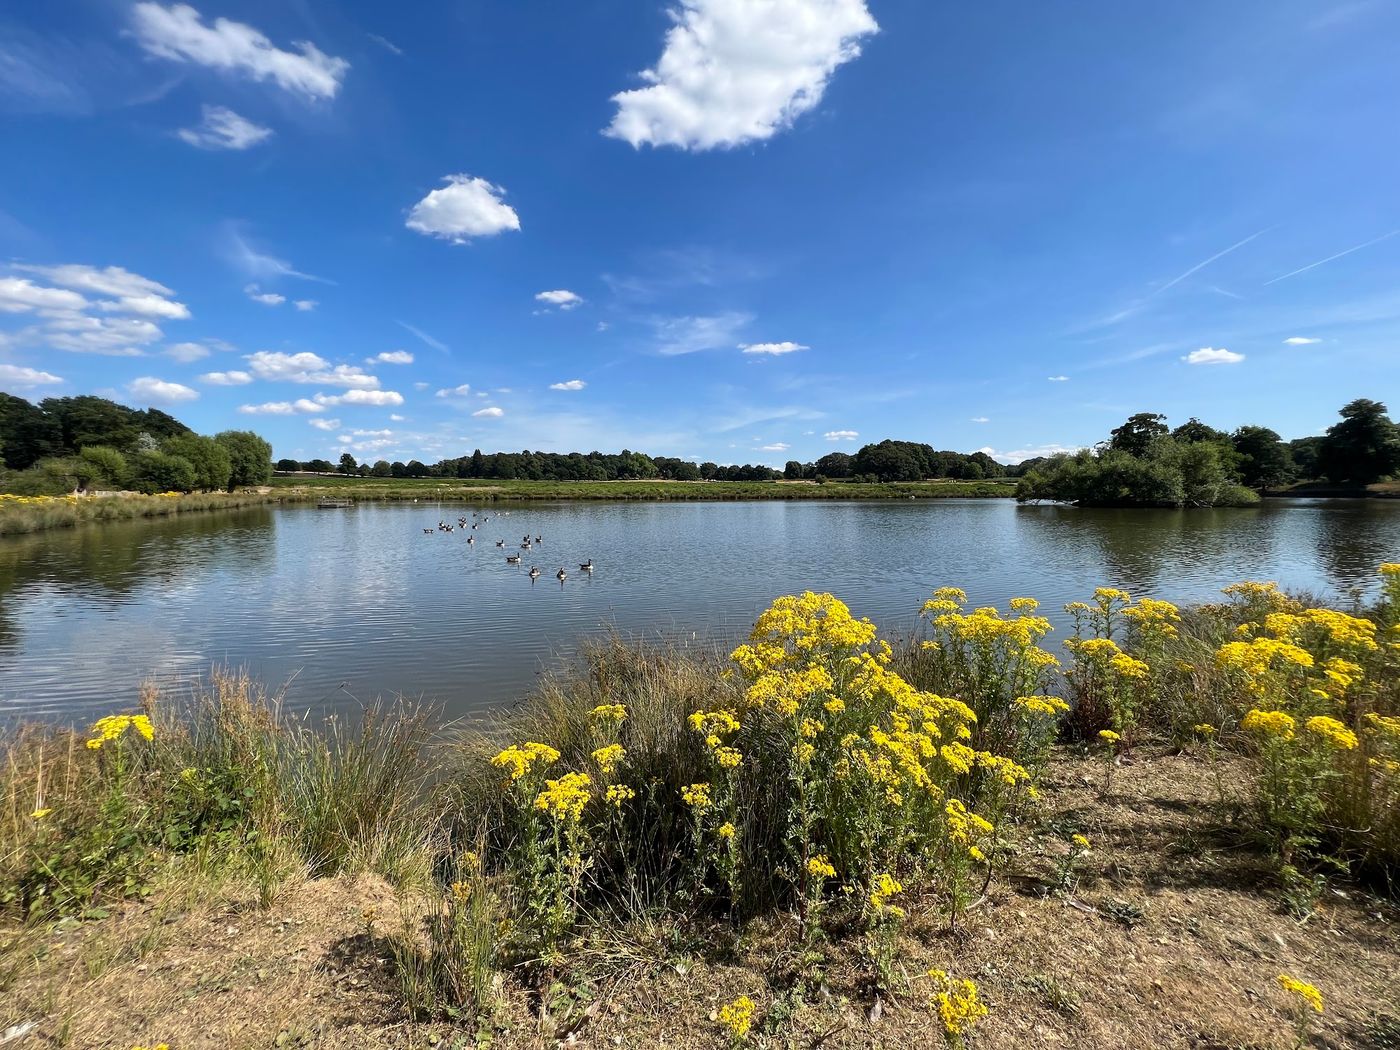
344, 605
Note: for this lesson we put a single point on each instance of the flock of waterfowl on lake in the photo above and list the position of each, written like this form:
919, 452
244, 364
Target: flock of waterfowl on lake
526, 543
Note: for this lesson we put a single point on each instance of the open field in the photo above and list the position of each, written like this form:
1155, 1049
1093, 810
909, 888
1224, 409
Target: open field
306, 486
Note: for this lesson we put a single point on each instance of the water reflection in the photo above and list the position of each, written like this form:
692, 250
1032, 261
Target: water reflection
360, 602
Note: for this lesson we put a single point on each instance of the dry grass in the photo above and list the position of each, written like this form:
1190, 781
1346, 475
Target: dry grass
1171, 937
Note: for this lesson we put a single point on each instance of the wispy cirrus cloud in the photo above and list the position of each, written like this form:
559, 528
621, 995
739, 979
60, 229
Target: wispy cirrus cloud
692, 334
222, 128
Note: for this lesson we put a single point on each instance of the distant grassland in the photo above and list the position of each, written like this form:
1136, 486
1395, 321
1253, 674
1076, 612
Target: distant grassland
301, 486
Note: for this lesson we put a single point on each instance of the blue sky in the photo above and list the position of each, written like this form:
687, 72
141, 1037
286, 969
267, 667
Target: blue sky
741, 230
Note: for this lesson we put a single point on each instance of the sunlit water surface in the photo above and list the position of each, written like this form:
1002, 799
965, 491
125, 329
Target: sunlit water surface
341, 606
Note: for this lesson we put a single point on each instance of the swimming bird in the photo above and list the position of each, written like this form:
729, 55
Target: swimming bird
561, 574
539, 539
525, 546
471, 539
428, 532
586, 566
512, 559
499, 543
534, 571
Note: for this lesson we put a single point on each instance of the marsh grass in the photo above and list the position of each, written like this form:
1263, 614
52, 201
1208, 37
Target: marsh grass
18, 517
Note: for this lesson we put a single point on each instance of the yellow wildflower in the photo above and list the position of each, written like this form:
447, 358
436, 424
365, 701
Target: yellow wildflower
1108, 736
1304, 991
726, 830
1273, 723
519, 759
564, 799
113, 726
738, 1016
617, 794
1024, 605
820, 867
1042, 705
886, 886
697, 797
956, 1003
608, 758
1082, 841
1338, 735
615, 713
40, 814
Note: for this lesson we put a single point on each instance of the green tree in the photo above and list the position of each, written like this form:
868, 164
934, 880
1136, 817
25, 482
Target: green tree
109, 465
1362, 448
161, 472
1136, 436
835, 465
250, 458
88, 420
1194, 431
27, 433
288, 466
888, 461
347, 464
381, 469
211, 461
1264, 462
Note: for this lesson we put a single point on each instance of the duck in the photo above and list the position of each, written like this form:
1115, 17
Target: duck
586, 566
534, 571
512, 559
561, 574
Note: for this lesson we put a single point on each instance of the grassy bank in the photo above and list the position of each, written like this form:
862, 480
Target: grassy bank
24, 514
306, 486
820, 840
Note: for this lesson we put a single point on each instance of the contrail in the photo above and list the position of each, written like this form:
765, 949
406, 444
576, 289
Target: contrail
1311, 266
434, 343
1202, 265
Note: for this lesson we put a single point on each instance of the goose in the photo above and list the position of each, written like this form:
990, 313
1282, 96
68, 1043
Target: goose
512, 559
534, 571
539, 539
561, 574
525, 546
471, 539
428, 532
499, 543
586, 566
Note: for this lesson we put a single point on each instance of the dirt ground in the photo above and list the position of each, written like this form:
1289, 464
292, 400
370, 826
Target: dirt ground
1171, 936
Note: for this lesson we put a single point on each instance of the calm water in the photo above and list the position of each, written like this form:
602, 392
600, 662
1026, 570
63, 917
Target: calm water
350, 604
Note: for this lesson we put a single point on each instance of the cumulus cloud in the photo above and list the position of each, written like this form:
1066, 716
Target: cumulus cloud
455, 391
18, 377
266, 298
841, 435
324, 424
466, 207
112, 336
1210, 356
772, 348
561, 297
489, 413
306, 305
178, 33
21, 295
980, 419
1058, 379
226, 378
378, 398
282, 408
777, 446
689, 335
568, 384
146, 306
393, 357
1020, 454
1301, 340
222, 128
159, 391
306, 367
733, 71
187, 352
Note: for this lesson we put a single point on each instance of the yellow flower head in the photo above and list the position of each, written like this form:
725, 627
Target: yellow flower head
605, 713
1204, 729
1082, 841
1108, 736
1304, 991
886, 886
608, 758
1024, 605
697, 797
738, 1016
820, 867
726, 830
564, 799
113, 726
1334, 732
1271, 723
519, 759
956, 1003
617, 794
40, 814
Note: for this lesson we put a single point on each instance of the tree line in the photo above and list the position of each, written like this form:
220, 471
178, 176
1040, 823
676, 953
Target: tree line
67, 444
884, 461
1146, 463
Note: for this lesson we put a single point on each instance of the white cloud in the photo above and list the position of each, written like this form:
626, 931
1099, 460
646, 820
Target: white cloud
20, 295
179, 34
17, 377
324, 424
260, 264
980, 419
1210, 356
222, 128
734, 71
187, 352
454, 391
466, 207
306, 367
1058, 379
362, 397
841, 435
489, 413
306, 305
226, 378
562, 298
777, 446
427, 339
113, 280
266, 298
689, 335
113, 336
159, 391
1300, 340
772, 348
393, 357
283, 408
1017, 455
396, 417
147, 306
568, 384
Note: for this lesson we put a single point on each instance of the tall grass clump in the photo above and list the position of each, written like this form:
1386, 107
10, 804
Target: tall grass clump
26, 514
222, 776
